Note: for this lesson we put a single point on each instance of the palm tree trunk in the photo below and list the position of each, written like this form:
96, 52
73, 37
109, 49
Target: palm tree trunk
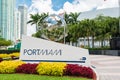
36, 27
88, 41
102, 43
84, 41
93, 41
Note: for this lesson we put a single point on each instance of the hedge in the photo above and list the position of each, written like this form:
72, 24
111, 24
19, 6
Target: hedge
9, 51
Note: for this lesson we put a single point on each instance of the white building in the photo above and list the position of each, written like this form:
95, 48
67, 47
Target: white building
23, 11
112, 12
17, 28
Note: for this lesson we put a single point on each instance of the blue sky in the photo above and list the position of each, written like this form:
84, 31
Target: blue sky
57, 4
27, 2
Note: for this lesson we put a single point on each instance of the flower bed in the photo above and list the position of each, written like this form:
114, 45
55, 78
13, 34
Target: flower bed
46, 68
51, 68
11, 56
9, 66
76, 70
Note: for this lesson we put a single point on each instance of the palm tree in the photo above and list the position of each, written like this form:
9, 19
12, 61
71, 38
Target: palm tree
66, 17
41, 21
73, 18
34, 19
37, 19
114, 26
86, 29
103, 29
93, 27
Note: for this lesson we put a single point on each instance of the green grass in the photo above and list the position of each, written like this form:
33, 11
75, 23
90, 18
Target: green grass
36, 77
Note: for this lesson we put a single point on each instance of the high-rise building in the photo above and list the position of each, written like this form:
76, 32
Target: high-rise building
17, 28
7, 19
23, 11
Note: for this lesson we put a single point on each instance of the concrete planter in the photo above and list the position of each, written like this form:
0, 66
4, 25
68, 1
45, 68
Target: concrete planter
95, 74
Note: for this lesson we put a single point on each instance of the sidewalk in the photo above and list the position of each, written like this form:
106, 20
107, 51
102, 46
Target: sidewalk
107, 67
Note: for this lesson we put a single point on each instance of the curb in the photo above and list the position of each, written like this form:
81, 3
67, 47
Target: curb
95, 74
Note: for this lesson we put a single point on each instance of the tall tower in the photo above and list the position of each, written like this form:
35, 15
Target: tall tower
17, 28
23, 11
7, 19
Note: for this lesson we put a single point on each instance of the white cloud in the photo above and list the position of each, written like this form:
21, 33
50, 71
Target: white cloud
76, 6
41, 6
85, 5
38, 6
109, 4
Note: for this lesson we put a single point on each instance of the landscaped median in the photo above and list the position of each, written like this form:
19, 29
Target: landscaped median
46, 68
8, 65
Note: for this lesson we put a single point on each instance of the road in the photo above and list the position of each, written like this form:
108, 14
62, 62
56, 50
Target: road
107, 67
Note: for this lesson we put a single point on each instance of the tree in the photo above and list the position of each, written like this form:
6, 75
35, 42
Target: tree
66, 17
101, 28
73, 17
37, 19
71, 21
34, 19
93, 30
41, 21
86, 29
4, 42
113, 24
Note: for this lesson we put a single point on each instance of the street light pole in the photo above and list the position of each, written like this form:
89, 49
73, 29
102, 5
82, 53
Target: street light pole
63, 24
64, 33
64, 29
37, 25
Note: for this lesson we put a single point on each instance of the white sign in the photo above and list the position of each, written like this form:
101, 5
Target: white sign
39, 50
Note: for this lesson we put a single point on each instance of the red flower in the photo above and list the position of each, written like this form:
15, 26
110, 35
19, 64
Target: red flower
27, 68
76, 70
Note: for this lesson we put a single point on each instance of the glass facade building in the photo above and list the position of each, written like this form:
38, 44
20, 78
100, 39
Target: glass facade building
23, 23
7, 19
17, 28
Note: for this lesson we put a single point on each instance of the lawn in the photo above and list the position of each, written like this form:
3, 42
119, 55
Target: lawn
36, 77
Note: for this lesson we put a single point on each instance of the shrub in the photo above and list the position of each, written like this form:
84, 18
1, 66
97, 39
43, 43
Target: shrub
87, 72
9, 51
12, 56
27, 68
76, 70
16, 54
51, 68
71, 69
9, 66
4, 56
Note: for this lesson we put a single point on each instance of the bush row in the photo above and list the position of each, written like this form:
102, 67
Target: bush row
9, 66
8, 51
46, 68
51, 68
76, 70
9, 56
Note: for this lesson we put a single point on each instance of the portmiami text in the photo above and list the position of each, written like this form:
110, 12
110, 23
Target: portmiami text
51, 52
